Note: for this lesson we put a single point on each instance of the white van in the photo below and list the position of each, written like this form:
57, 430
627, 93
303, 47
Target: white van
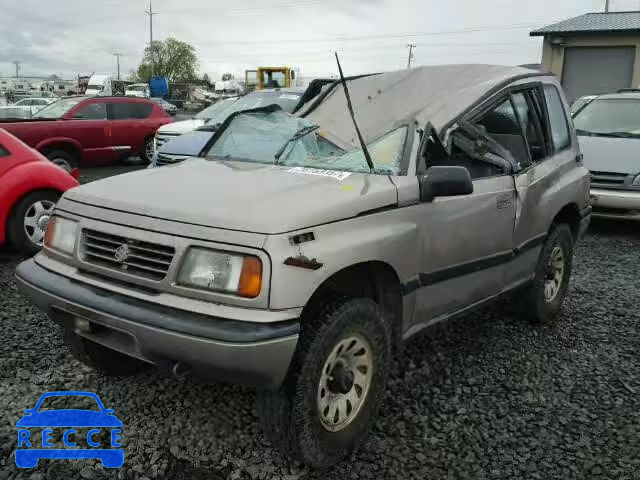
100, 85
137, 90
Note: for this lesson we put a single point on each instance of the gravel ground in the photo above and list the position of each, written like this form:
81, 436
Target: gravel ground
485, 396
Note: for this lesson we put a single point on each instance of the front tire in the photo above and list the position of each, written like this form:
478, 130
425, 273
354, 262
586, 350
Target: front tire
148, 150
29, 219
334, 385
543, 302
100, 358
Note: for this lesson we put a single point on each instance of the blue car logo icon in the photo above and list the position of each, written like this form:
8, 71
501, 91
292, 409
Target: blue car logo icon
72, 423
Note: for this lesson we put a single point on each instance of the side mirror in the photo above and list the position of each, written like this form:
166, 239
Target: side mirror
109, 411
29, 411
445, 182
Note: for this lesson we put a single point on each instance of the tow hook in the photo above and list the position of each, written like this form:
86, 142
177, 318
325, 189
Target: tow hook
180, 370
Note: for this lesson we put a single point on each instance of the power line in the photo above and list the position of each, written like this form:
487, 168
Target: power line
372, 37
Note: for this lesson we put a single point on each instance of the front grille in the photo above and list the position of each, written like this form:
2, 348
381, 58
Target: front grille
162, 138
134, 257
608, 178
166, 159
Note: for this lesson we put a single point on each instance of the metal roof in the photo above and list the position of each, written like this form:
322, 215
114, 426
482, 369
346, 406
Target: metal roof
594, 23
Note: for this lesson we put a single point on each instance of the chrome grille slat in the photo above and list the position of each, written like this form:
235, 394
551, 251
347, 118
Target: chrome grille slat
136, 247
612, 178
144, 259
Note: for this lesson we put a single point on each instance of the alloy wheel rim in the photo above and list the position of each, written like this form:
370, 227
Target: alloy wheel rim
149, 150
345, 382
554, 274
36, 220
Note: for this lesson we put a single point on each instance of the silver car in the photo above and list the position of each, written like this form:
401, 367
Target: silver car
300, 252
609, 134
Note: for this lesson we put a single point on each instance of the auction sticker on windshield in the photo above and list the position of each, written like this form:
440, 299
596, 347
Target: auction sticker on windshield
323, 173
54, 430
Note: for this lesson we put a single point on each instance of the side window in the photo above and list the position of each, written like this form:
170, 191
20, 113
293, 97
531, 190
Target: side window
91, 111
502, 124
129, 110
557, 118
4, 152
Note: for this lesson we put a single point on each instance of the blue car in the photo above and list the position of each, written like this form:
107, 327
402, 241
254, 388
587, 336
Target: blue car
29, 451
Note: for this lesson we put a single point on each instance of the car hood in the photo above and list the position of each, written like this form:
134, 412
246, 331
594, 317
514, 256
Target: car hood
189, 144
604, 154
240, 196
69, 418
182, 126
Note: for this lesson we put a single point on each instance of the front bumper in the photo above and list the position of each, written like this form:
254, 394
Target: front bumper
256, 354
617, 204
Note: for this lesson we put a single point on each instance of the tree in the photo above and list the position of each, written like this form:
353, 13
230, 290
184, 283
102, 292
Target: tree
132, 76
227, 76
205, 78
170, 58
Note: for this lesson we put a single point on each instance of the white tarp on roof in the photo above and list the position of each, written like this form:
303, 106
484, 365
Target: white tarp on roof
436, 94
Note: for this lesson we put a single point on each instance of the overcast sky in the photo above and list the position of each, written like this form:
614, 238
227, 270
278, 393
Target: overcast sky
67, 37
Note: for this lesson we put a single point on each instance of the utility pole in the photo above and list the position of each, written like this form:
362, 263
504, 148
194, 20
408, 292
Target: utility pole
151, 14
117, 55
411, 47
606, 6
17, 64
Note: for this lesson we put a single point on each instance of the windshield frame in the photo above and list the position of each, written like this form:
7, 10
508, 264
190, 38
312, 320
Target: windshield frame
57, 103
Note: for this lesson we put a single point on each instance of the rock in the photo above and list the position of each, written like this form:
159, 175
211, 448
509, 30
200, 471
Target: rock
88, 473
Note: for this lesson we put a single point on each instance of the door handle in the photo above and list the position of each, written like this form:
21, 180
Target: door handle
579, 157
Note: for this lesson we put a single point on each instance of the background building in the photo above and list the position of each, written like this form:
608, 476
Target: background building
593, 53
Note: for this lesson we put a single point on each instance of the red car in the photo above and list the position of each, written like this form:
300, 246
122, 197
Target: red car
77, 131
30, 185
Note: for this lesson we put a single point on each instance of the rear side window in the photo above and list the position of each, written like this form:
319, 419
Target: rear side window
130, 110
557, 118
91, 111
4, 152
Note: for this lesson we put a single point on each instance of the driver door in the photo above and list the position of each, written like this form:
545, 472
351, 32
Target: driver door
467, 241
87, 124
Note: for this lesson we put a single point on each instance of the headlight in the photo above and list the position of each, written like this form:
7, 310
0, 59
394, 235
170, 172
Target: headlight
636, 182
61, 235
222, 272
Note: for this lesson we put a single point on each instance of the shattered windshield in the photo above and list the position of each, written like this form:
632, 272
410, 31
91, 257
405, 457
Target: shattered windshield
281, 139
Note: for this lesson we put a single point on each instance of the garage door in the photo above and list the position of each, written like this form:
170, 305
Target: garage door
596, 70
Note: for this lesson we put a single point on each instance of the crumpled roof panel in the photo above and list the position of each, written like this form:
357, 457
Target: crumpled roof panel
382, 102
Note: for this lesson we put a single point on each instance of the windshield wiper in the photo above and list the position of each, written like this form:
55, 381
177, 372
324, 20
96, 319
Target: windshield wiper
365, 152
299, 134
607, 134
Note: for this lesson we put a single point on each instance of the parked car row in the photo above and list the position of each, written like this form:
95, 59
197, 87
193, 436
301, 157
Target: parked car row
89, 131
296, 252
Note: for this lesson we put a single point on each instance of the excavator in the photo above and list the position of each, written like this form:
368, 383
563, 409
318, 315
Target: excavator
269, 77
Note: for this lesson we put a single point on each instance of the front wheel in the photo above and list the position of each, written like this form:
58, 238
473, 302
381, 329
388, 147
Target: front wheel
543, 302
148, 150
29, 219
334, 385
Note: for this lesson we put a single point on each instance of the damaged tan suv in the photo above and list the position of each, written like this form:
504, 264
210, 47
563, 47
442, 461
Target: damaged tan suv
297, 253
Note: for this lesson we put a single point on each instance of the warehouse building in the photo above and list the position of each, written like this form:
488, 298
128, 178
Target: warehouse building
594, 53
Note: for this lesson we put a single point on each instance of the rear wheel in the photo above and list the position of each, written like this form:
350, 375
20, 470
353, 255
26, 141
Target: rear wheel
105, 360
543, 302
334, 385
29, 219
63, 159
